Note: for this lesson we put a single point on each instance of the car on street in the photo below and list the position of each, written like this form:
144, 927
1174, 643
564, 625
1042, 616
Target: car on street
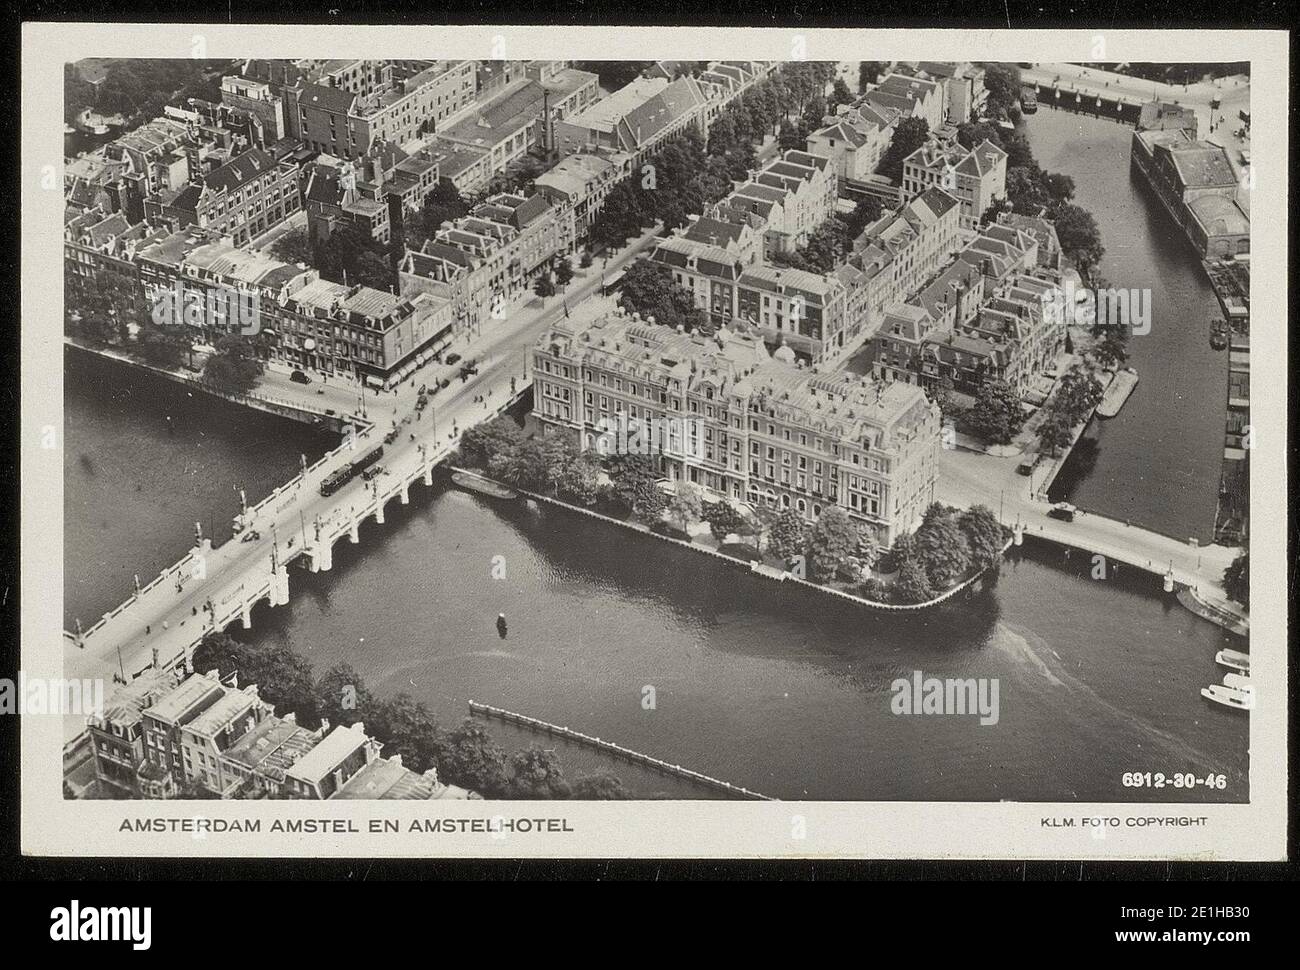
452, 358
1063, 511
298, 377
1244, 154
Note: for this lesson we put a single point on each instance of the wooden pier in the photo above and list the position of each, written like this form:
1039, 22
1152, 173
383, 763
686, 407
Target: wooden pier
615, 750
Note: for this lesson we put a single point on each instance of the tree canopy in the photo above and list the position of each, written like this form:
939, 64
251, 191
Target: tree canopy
649, 289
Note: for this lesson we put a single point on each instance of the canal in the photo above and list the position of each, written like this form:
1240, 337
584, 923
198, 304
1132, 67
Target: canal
779, 690
1157, 463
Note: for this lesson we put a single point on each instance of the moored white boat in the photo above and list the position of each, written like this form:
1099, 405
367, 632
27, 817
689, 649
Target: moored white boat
1237, 680
1238, 698
1233, 660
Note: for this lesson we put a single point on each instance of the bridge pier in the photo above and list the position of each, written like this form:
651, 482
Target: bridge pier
353, 534
379, 511
278, 595
406, 493
322, 556
246, 616
1018, 534
428, 474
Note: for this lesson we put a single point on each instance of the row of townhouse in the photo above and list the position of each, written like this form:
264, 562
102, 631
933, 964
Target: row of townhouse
162, 157
992, 314
724, 81
192, 167
717, 262
911, 97
581, 184
901, 250
976, 177
304, 321
246, 197
962, 82
792, 194
162, 735
743, 424
488, 258
596, 158
120, 174
99, 252
828, 317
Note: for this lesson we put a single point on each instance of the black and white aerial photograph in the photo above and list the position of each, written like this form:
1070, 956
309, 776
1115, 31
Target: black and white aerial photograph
593, 456
657, 429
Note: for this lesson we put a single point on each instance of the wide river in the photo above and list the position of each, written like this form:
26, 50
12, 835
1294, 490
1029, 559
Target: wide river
781, 691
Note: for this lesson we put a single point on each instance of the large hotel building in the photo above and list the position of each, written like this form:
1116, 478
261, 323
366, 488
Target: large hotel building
753, 426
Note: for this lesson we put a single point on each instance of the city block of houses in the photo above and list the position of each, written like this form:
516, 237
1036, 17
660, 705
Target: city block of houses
932, 297
168, 734
188, 202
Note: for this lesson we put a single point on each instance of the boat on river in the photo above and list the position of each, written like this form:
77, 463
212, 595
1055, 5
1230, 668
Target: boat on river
1219, 334
1239, 697
1117, 392
482, 486
1233, 660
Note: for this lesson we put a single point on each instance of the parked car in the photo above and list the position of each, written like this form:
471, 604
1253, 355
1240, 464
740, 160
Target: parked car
452, 358
1245, 156
298, 377
1063, 511
390, 437
252, 535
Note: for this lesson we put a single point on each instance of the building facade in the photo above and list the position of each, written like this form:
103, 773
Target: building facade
976, 178
752, 427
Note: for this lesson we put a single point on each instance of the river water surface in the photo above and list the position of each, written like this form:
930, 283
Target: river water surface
782, 691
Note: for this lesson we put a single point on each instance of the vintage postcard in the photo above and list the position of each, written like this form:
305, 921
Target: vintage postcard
574, 442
